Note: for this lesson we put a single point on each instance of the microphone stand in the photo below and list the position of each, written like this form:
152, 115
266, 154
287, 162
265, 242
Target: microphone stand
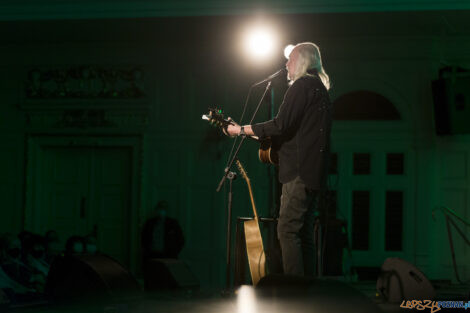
231, 176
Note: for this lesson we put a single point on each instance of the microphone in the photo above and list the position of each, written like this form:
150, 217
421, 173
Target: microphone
278, 73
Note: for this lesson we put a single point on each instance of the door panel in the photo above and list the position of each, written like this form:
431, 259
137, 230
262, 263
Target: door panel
110, 196
377, 183
64, 182
81, 188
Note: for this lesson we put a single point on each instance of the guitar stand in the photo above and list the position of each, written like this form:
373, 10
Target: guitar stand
240, 248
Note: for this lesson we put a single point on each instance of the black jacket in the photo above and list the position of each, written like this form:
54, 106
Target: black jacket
301, 131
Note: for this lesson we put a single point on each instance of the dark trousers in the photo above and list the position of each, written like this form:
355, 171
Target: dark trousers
295, 228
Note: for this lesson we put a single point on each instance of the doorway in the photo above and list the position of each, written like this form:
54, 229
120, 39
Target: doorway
81, 189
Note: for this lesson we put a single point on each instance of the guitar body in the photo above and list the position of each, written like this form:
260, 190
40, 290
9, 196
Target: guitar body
254, 241
267, 153
255, 250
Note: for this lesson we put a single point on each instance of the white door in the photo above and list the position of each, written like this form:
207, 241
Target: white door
374, 193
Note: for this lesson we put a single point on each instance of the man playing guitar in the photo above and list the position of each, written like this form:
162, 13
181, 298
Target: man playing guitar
302, 132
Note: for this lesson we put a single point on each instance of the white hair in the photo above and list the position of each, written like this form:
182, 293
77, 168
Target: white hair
309, 58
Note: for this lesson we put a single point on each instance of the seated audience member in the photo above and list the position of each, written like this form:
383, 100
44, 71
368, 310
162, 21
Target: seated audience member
162, 236
35, 255
16, 270
90, 244
11, 287
25, 236
53, 245
75, 245
7, 284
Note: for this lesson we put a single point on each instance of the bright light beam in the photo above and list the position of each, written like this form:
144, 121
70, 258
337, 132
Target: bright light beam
260, 43
246, 300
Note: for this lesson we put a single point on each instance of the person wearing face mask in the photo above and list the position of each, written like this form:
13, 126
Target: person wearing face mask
301, 129
162, 236
90, 245
53, 246
14, 267
13, 290
35, 255
75, 245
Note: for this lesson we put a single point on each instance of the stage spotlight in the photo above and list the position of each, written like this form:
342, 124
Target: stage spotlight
260, 42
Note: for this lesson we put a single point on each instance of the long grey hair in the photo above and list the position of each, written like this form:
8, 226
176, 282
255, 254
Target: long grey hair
310, 59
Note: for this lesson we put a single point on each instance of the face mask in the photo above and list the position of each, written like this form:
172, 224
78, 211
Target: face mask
91, 249
14, 253
78, 248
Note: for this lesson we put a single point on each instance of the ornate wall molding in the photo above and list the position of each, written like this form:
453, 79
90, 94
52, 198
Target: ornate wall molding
85, 98
85, 82
86, 120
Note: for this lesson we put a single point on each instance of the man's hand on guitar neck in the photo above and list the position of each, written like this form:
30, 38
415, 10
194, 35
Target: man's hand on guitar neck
234, 129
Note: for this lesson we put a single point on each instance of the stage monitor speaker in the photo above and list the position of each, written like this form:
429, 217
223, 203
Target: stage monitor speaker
452, 105
301, 294
168, 274
400, 280
90, 277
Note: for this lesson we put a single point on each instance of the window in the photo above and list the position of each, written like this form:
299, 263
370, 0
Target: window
361, 163
360, 220
393, 220
395, 163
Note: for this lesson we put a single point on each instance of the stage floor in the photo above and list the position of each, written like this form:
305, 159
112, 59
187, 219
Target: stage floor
328, 295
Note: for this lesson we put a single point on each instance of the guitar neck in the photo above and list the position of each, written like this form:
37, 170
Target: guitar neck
223, 124
250, 190
255, 213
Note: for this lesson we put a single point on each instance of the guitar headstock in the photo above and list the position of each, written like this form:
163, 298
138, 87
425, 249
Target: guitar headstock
242, 170
216, 117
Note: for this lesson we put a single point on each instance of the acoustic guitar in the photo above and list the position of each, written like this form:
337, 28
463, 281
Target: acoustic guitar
254, 241
266, 153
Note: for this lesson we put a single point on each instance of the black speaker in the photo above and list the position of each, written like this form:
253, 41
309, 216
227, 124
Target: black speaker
90, 277
168, 274
451, 97
400, 280
301, 294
